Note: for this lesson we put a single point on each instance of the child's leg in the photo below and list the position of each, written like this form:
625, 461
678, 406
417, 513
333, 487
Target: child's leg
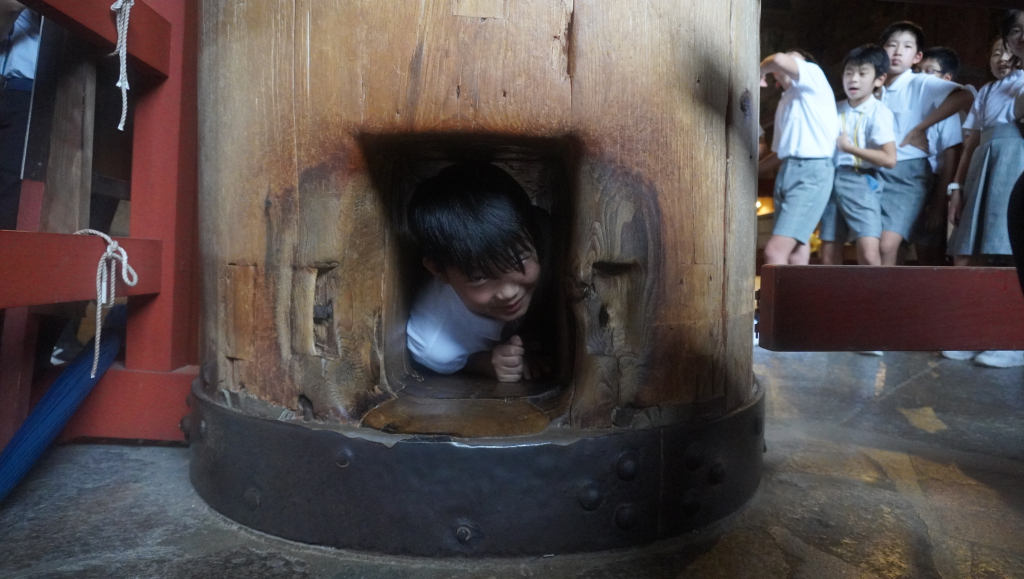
779, 250
801, 255
868, 252
832, 253
963, 261
802, 191
903, 198
889, 247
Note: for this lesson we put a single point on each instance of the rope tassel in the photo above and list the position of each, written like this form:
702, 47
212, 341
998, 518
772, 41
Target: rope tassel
123, 8
106, 283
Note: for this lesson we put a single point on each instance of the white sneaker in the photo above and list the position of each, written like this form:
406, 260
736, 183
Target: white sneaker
959, 354
871, 353
1000, 358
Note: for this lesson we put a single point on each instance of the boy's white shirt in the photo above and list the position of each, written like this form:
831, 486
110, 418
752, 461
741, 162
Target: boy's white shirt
806, 122
911, 98
995, 102
442, 333
869, 126
942, 136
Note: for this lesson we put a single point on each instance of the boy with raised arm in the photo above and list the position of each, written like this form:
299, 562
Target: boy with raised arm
806, 126
918, 102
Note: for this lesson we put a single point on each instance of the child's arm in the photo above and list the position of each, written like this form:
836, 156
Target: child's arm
884, 157
780, 62
958, 100
940, 198
957, 198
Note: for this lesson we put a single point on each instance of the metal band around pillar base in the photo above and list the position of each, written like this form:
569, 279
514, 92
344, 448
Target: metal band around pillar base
439, 497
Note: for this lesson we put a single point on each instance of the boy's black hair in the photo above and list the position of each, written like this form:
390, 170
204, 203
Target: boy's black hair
474, 217
807, 55
905, 26
1009, 21
871, 54
947, 58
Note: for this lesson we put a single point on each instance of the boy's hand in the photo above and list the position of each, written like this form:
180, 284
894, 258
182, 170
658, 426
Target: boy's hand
507, 360
844, 143
917, 138
764, 81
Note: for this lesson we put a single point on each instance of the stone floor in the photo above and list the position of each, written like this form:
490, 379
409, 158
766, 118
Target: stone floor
902, 466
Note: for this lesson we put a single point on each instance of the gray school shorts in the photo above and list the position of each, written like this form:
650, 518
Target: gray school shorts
802, 190
906, 190
855, 208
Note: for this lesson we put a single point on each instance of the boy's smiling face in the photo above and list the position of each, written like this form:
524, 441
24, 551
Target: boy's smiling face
860, 82
903, 51
504, 298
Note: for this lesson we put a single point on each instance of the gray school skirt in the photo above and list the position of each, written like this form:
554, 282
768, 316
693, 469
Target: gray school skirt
906, 191
995, 168
855, 208
802, 189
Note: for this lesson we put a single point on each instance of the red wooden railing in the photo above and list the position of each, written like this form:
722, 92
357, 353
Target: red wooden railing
143, 398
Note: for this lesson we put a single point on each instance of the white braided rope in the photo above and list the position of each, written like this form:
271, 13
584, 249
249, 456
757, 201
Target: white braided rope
106, 284
124, 10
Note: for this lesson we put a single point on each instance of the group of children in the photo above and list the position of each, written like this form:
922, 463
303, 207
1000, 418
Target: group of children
884, 166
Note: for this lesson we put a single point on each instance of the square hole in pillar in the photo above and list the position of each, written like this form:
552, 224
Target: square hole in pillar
543, 167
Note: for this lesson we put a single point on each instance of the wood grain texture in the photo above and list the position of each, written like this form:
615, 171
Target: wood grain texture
639, 102
844, 309
69, 168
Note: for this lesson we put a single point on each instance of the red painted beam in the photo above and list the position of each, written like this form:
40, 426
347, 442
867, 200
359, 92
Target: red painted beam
835, 309
163, 331
149, 34
134, 405
51, 268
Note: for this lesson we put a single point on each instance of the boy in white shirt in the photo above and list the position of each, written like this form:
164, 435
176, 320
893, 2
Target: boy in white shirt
946, 144
484, 242
866, 144
806, 126
918, 102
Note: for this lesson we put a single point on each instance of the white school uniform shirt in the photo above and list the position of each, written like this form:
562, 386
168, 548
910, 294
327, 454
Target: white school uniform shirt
869, 126
911, 98
442, 333
942, 136
806, 122
995, 101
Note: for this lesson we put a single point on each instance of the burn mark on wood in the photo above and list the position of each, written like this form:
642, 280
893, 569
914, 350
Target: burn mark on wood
615, 288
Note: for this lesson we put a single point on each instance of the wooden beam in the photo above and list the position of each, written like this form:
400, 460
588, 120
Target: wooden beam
149, 34
134, 405
49, 268
967, 3
826, 309
164, 330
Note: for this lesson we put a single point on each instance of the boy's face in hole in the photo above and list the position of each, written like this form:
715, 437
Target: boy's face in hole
934, 68
903, 52
505, 298
1001, 60
860, 81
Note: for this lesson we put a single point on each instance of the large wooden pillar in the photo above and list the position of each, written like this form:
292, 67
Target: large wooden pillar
633, 121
